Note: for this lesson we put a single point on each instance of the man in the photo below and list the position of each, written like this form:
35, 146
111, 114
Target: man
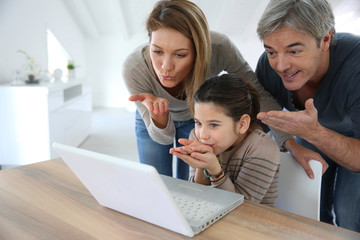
315, 75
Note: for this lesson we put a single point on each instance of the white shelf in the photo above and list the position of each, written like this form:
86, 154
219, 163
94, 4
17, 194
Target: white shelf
32, 117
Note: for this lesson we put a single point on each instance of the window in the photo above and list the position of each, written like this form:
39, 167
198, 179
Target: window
57, 56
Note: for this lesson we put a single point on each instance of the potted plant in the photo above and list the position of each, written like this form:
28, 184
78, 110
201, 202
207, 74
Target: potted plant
71, 69
30, 71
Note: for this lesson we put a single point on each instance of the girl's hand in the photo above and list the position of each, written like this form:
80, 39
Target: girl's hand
155, 105
197, 155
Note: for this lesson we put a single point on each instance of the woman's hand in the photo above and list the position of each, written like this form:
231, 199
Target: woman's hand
157, 107
154, 105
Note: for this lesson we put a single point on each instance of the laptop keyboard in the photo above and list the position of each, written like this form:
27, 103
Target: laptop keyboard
195, 208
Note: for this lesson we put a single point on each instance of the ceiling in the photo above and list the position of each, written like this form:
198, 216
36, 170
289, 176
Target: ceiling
237, 18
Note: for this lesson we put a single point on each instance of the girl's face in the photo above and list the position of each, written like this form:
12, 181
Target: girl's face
172, 55
214, 128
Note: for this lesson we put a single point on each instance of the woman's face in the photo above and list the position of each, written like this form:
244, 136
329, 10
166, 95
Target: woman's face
172, 55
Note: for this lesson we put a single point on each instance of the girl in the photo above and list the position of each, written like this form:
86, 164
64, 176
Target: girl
228, 151
163, 75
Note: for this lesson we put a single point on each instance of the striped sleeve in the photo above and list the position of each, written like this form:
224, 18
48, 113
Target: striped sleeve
254, 170
256, 178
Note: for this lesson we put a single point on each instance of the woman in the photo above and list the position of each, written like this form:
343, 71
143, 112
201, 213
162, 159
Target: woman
163, 75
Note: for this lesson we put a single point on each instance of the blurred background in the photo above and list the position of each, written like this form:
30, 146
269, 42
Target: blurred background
98, 35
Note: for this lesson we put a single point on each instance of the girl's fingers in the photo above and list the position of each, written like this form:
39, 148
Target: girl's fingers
202, 148
183, 150
194, 163
185, 141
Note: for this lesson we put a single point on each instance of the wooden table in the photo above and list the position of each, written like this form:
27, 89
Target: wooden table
46, 201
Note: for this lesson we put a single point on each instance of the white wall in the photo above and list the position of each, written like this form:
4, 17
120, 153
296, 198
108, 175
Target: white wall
23, 25
106, 56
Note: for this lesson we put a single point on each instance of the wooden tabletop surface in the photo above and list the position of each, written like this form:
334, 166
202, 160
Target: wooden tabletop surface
46, 201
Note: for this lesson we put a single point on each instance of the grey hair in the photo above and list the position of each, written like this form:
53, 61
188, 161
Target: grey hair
311, 17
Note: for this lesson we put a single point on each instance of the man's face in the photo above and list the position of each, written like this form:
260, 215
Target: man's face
296, 57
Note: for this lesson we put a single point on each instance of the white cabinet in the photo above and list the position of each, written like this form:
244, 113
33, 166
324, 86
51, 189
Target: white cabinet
32, 117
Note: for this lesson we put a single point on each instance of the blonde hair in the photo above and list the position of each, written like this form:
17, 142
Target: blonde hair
186, 17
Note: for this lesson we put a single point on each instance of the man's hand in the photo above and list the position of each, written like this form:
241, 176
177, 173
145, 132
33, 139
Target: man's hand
303, 155
302, 123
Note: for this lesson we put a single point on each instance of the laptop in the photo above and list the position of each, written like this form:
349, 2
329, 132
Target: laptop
138, 190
